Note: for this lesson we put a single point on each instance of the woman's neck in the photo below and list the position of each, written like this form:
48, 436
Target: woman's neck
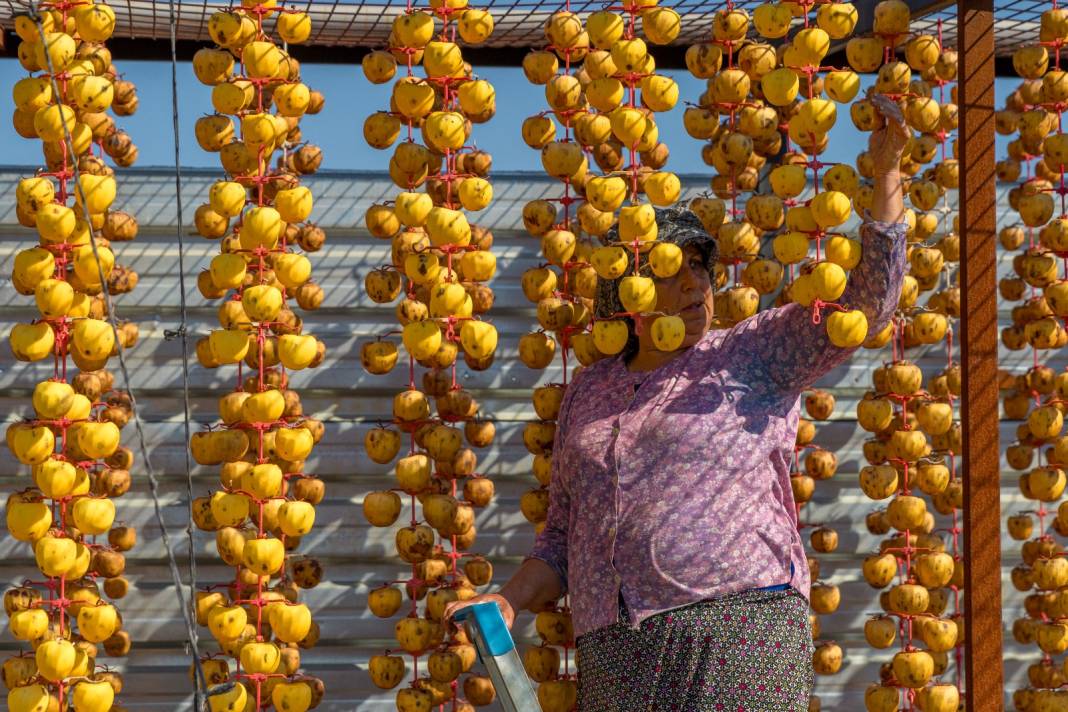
650, 358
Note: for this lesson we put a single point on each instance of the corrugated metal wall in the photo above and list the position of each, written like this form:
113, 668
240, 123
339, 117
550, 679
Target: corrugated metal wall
355, 555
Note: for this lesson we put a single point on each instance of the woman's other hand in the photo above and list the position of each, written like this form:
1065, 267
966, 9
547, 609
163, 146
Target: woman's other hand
887, 142
534, 584
507, 612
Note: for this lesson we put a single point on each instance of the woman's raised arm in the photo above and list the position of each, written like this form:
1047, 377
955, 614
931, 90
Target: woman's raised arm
885, 146
784, 343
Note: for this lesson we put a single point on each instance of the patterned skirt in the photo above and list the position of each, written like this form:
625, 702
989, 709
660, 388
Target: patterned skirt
747, 652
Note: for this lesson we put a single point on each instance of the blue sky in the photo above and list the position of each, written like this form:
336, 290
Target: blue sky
350, 98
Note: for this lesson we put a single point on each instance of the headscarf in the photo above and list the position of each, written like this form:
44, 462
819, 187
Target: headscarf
677, 225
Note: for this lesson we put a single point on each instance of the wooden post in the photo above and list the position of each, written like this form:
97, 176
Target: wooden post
979, 351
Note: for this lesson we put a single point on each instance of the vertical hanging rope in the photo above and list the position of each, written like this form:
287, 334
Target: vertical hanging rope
199, 680
182, 327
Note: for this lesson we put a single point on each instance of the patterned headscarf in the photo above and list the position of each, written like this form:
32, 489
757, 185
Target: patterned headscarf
677, 225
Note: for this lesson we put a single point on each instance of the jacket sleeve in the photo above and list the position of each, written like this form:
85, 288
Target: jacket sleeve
792, 351
550, 545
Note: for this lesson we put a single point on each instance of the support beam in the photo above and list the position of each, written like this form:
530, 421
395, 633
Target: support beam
866, 22
917, 9
979, 351
146, 48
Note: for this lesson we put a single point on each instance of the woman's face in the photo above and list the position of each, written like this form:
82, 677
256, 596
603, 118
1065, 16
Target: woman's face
688, 295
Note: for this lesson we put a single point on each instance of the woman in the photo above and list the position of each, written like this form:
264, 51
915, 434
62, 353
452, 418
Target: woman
671, 521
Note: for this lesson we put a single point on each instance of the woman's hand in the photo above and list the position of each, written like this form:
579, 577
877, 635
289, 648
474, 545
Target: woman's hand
507, 612
534, 584
887, 142
885, 147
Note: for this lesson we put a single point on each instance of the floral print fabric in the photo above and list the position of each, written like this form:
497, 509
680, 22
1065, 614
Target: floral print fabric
672, 486
748, 652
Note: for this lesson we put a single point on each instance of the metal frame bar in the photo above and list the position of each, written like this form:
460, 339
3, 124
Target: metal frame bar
979, 349
347, 41
866, 17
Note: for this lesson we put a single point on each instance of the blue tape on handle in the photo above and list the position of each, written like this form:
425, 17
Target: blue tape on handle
487, 616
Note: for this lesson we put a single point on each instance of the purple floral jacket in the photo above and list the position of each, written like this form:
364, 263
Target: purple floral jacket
672, 486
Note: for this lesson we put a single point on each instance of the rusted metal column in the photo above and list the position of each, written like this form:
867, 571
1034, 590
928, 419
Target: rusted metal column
979, 351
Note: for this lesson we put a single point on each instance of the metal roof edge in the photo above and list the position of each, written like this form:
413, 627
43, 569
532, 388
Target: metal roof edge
200, 171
